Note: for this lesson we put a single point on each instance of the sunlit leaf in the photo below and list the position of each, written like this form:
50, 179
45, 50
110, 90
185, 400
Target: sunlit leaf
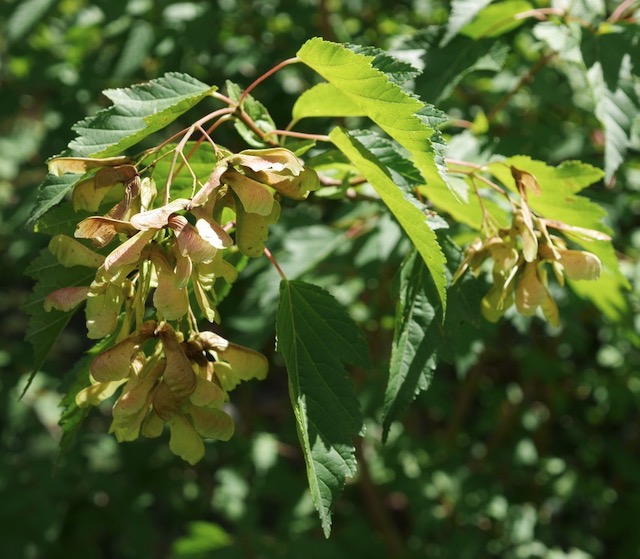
496, 19
412, 220
404, 117
462, 12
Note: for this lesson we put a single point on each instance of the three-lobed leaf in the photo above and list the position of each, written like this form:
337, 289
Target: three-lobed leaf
317, 338
402, 116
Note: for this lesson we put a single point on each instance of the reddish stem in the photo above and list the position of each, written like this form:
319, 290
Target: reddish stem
265, 76
273, 261
621, 10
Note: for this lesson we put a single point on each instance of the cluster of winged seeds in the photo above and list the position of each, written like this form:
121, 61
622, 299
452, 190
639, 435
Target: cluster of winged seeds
170, 253
521, 254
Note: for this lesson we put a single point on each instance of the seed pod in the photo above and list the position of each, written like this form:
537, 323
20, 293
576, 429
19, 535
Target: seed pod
495, 303
102, 229
212, 423
66, 299
212, 341
170, 299
505, 258
244, 364
207, 272
524, 230
581, 265
211, 231
102, 311
472, 250
80, 165
252, 230
128, 253
213, 183
526, 182
207, 394
113, 363
550, 310
127, 428
184, 440
189, 241
89, 193
205, 303
254, 196
137, 392
280, 169
164, 402
70, 252
178, 375
152, 426
531, 291
148, 192
97, 392
159, 217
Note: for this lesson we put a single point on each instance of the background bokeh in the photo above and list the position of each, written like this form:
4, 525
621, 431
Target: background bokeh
525, 445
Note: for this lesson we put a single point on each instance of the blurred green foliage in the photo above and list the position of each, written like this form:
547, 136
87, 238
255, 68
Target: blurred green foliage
525, 445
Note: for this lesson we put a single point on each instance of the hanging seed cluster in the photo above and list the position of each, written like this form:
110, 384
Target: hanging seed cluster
159, 278
522, 254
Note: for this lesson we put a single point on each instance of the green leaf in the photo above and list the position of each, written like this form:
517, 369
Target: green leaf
396, 70
402, 171
44, 327
317, 337
62, 219
415, 340
412, 220
404, 117
51, 192
496, 19
421, 337
137, 112
446, 67
203, 539
25, 17
610, 58
462, 12
136, 49
324, 100
327, 100
258, 113
72, 416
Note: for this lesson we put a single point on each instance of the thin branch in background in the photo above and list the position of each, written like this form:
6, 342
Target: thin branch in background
273, 261
376, 508
527, 78
541, 14
264, 76
620, 12
188, 132
302, 135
